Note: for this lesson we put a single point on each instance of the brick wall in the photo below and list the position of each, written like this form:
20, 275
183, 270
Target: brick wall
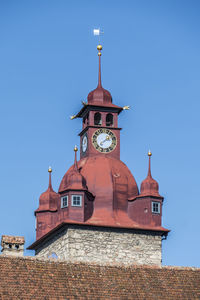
103, 245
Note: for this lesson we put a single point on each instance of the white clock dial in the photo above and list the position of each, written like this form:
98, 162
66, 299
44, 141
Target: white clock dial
84, 143
104, 140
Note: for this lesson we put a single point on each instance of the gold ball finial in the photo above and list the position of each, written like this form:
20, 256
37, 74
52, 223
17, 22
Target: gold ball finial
75, 148
149, 153
50, 170
99, 47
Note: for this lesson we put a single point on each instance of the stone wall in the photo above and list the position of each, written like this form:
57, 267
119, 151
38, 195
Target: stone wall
103, 245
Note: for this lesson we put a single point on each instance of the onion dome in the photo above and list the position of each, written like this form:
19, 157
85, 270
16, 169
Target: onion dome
149, 186
99, 95
48, 200
109, 180
73, 180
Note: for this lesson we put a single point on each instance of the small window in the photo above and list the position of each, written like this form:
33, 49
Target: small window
156, 207
76, 200
53, 255
64, 201
87, 119
109, 120
97, 119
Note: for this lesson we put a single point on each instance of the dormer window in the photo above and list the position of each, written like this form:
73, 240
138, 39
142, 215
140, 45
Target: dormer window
109, 120
64, 201
76, 200
97, 119
156, 207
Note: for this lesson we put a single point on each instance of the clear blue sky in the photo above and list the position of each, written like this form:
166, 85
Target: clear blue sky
150, 61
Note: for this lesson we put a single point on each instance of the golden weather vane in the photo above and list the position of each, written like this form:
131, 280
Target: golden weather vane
97, 32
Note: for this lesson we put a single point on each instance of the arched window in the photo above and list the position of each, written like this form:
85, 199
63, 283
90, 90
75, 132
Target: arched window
87, 119
53, 255
109, 120
97, 119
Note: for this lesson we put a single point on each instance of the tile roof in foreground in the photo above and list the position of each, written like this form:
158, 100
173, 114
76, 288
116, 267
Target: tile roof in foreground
31, 278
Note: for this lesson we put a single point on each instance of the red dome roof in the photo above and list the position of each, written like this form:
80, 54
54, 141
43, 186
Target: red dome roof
73, 178
74, 181
149, 187
99, 95
108, 179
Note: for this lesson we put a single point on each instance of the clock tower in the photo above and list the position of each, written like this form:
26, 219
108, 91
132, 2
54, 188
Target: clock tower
98, 213
100, 133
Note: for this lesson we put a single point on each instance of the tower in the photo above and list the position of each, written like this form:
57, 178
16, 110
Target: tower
98, 214
100, 122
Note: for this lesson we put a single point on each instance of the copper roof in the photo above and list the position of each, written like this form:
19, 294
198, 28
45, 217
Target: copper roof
31, 278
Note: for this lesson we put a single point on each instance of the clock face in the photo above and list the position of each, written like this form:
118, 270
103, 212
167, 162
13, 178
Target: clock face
84, 143
104, 140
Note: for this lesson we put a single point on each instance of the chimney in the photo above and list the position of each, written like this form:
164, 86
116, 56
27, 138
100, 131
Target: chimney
12, 245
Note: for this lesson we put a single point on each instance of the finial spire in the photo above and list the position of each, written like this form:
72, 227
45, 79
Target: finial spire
75, 158
149, 171
50, 171
99, 48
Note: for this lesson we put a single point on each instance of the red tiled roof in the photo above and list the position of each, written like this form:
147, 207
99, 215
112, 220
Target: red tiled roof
31, 278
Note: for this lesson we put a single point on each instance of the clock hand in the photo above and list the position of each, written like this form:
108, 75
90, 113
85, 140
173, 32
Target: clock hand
107, 139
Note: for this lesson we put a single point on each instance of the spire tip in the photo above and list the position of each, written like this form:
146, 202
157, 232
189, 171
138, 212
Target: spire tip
75, 158
99, 48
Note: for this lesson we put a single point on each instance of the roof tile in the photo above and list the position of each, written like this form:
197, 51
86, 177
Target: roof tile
32, 278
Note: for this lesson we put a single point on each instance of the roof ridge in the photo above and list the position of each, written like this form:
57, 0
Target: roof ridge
113, 265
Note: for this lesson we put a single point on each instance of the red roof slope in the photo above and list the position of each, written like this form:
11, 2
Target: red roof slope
31, 278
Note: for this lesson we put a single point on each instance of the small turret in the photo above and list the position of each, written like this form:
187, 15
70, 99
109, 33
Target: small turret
48, 199
74, 180
46, 217
146, 208
149, 186
76, 200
